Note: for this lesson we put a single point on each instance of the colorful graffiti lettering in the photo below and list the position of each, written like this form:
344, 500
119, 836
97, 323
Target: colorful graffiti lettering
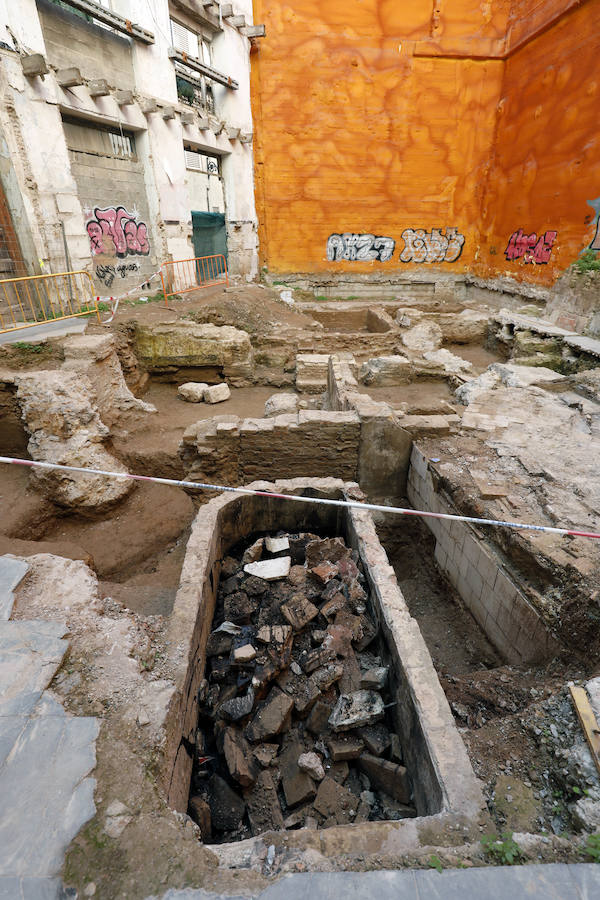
595, 204
359, 247
107, 274
128, 236
435, 246
529, 247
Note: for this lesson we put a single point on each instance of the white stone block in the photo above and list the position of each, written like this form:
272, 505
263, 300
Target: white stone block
217, 393
270, 569
192, 391
276, 545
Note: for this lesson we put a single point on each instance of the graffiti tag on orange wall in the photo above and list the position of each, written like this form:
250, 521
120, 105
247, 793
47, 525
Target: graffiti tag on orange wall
359, 247
433, 246
529, 247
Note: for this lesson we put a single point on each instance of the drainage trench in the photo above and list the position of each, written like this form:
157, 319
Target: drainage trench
309, 700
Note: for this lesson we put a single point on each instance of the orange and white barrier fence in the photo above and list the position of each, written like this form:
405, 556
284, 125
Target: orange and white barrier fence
38, 299
182, 275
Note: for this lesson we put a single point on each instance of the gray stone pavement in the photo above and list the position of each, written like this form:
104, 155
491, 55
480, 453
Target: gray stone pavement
12, 572
45, 755
550, 882
33, 334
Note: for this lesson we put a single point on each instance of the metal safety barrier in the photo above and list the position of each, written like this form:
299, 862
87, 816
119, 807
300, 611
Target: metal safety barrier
182, 275
39, 299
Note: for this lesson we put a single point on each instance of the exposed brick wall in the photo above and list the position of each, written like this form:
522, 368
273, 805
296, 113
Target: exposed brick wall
236, 451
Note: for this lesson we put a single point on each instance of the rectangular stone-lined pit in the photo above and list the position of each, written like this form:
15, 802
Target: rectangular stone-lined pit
500, 608
444, 781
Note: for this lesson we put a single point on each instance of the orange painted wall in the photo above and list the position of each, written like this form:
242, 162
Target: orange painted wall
546, 163
354, 133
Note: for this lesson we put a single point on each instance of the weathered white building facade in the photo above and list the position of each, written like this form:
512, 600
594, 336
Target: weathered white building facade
125, 136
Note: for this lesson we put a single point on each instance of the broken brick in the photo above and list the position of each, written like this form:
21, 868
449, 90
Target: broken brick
339, 771
333, 801
331, 589
298, 787
369, 631
324, 572
374, 679
244, 654
266, 753
264, 811
350, 680
299, 611
274, 634
254, 552
255, 586
200, 813
318, 721
347, 747
333, 606
327, 550
388, 777
323, 678
339, 639
218, 642
271, 717
348, 570
238, 757
377, 739
316, 658
238, 608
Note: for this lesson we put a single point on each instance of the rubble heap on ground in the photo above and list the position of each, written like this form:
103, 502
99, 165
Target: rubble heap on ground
294, 726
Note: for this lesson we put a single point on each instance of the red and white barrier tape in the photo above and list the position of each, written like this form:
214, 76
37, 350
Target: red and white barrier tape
353, 504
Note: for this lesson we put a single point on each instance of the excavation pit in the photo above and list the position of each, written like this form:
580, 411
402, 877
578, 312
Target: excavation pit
438, 779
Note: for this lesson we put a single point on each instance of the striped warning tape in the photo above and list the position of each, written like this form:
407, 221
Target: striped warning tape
353, 504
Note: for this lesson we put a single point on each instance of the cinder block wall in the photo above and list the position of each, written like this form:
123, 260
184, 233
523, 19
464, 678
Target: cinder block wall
500, 608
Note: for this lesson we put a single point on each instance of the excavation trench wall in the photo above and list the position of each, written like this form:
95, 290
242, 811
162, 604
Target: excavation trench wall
444, 781
501, 609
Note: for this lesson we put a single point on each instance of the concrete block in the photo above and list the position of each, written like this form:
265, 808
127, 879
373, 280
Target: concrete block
471, 550
487, 566
98, 88
70, 77
254, 31
168, 112
237, 21
203, 123
232, 133
148, 105
188, 118
475, 582
124, 98
34, 65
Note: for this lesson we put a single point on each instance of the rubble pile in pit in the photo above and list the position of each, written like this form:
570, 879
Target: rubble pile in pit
293, 708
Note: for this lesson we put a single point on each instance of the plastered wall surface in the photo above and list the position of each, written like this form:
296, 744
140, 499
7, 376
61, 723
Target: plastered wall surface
546, 162
414, 136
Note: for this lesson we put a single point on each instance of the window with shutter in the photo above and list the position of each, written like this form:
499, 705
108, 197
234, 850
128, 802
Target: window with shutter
184, 39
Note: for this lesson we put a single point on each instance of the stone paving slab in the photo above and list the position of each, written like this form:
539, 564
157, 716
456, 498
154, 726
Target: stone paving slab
13, 888
585, 344
12, 571
30, 654
45, 794
580, 881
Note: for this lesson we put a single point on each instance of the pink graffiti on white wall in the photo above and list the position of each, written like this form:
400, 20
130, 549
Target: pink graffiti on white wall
115, 232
